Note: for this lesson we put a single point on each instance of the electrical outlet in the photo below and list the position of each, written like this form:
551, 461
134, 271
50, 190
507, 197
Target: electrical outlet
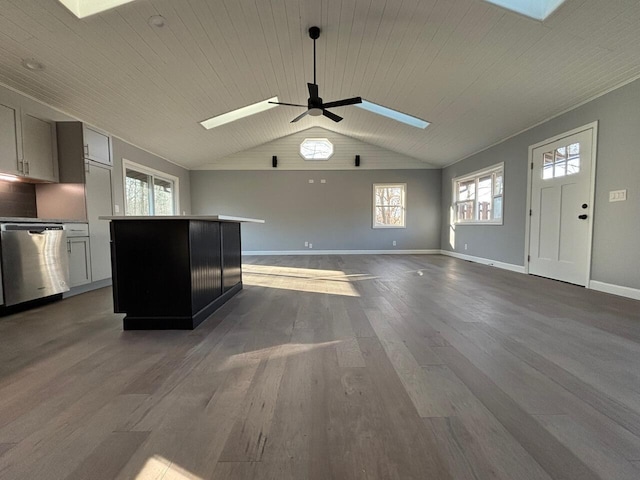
311, 180
618, 196
311, 245
465, 246
116, 208
394, 243
323, 181
306, 244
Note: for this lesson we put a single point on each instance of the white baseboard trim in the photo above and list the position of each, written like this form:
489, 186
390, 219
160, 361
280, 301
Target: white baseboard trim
343, 252
87, 287
615, 289
485, 261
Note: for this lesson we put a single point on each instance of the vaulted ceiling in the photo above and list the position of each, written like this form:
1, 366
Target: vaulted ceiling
477, 72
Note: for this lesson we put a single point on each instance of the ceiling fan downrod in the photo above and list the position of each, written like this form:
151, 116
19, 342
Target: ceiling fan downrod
314, 33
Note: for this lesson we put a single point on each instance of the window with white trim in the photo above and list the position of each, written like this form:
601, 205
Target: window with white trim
148, 191
389, 205
316, 149
477, 197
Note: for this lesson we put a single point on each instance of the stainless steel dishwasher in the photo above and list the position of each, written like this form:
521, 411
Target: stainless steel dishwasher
35, 261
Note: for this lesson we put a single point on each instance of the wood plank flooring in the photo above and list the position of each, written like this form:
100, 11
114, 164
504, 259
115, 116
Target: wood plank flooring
332, 367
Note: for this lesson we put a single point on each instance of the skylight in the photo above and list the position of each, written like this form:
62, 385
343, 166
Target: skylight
536, 9
239, 113
393, 114
85, 8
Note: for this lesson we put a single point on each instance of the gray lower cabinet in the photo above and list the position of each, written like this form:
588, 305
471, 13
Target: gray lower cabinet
79, 261
99, 201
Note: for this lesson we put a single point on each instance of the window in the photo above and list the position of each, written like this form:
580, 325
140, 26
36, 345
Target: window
389, 205
477, 197
537, 9
561, 162
148, 191
316, 149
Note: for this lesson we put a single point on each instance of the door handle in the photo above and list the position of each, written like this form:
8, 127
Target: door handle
583, 216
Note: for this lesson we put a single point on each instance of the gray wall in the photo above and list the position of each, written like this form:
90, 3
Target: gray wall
336, 215
616, 256
122, 149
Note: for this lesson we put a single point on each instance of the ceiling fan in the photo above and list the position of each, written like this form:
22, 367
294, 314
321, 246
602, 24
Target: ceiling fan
315, 106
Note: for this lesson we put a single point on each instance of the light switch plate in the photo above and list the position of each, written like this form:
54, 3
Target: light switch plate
310, 180
617, 195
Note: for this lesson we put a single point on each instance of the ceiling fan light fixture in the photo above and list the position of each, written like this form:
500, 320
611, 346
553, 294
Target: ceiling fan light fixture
239, 113
315, 112
393, 114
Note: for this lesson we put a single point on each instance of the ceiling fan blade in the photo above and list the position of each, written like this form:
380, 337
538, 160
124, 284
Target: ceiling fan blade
313, 90
300, 116
332, 116
343, 103
289, 104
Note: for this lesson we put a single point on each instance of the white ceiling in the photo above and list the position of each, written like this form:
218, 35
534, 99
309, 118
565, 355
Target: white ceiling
477, 72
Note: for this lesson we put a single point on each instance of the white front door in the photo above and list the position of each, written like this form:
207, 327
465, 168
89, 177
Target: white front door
561, 209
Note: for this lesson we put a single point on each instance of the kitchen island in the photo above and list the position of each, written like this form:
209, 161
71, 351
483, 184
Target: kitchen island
173, 272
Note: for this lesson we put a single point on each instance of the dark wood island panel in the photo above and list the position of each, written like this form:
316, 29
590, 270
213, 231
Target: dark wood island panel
173, 272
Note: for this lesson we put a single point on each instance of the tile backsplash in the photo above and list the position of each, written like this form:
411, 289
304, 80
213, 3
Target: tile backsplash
17, 199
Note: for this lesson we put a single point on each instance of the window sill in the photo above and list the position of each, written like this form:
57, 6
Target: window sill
386, 226
479, 223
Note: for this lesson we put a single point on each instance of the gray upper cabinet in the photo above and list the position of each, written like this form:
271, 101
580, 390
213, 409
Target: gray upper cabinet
10, 142
27, 145
97, 146
38, 144
78, 143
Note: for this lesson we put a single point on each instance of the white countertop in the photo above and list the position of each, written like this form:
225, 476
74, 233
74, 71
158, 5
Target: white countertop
37, 220
206, 218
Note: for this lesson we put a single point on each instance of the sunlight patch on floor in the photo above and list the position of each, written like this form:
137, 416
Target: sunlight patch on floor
246, 359
333, 282
159, 468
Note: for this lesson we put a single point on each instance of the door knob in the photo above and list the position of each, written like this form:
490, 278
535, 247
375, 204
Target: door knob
584, 205
582, 217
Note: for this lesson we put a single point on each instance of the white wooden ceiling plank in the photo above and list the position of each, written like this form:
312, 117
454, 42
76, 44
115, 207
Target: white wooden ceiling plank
13, 30
345, 36
408, 52
243, 16
446, 18
363, 31
296, 92
70, 71
193, 86
383, 37
215, 45
275, 67
77, 47
502, 44
447, 61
